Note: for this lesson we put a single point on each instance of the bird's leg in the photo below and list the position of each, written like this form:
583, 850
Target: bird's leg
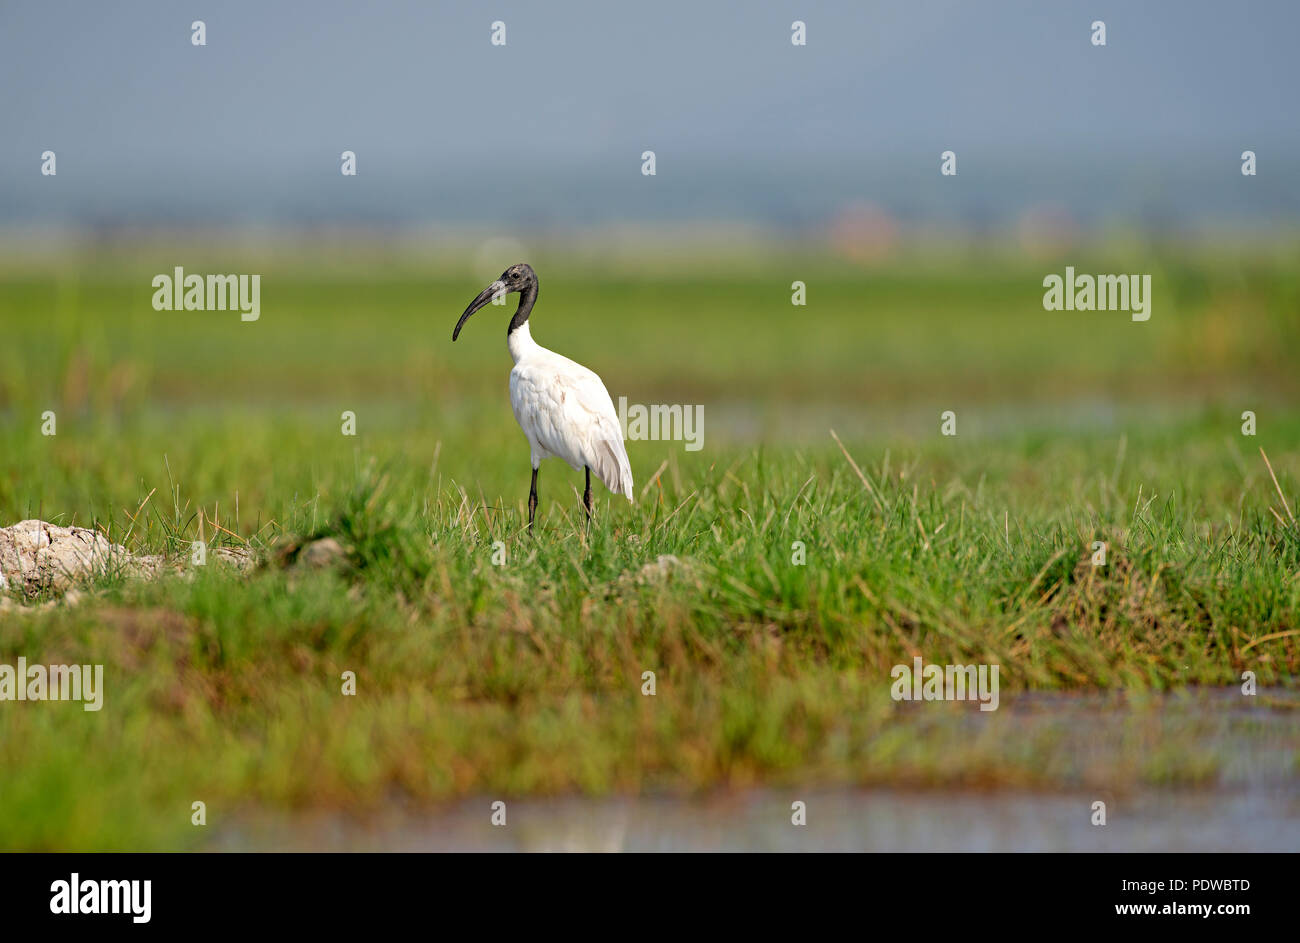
586, 495
532, 501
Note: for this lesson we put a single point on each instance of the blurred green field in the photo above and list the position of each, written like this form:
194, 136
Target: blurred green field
525, 678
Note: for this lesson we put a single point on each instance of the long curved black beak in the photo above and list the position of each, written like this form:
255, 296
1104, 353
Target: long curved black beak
486, 295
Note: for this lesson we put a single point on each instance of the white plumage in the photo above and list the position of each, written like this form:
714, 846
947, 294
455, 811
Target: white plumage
566, 412
563, 408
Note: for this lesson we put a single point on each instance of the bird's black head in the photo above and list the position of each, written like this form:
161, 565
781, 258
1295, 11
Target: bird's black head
519, 277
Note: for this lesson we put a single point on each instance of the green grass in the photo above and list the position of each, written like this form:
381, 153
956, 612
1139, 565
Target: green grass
526, 678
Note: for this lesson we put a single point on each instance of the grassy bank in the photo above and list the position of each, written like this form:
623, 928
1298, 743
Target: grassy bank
526, 677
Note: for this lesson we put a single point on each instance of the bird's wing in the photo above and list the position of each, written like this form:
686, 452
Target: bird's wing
569, 411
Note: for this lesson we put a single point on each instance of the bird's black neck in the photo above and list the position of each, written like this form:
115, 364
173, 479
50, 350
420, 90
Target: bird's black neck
527, 298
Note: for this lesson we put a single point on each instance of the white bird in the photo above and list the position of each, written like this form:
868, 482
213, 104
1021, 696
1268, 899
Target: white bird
563, 408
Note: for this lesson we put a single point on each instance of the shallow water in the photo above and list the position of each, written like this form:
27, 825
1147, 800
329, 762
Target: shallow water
836, 821
1251, 803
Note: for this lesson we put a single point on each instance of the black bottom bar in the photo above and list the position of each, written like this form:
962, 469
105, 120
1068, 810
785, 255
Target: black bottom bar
583, 893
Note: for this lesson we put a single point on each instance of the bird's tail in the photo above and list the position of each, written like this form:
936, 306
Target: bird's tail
613, 468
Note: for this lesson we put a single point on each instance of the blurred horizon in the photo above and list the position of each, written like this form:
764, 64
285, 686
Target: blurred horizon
546, 133
775, 164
